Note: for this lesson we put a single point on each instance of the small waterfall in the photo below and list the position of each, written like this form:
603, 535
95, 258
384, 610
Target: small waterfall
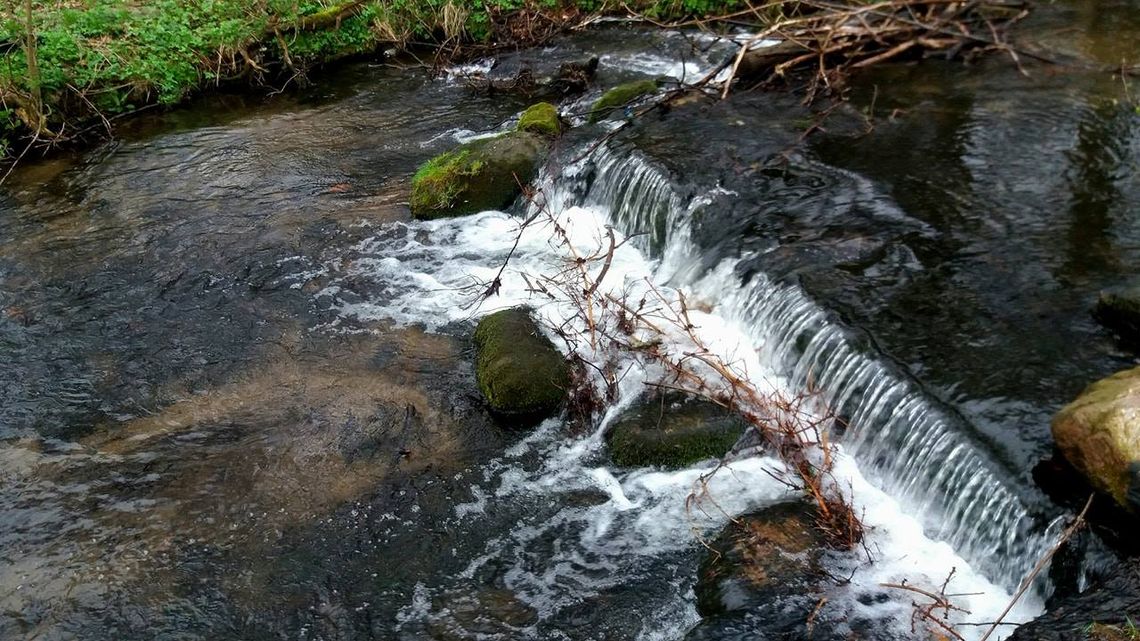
913, 446
640, 198
916, 449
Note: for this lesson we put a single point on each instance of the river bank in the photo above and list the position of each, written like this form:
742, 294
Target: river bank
71, 71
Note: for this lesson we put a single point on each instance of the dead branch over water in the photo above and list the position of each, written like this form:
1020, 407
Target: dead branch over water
654, 327
828, 39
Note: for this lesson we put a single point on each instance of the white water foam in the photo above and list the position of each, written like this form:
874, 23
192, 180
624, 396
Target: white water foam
430, 272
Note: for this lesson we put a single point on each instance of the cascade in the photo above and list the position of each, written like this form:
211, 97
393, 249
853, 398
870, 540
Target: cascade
912, 445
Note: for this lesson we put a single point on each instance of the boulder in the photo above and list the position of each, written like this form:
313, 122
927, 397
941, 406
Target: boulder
1099, 434
541, 118
620, 96
1108, 611
768, 557
518, 369
575, 77
534, 78
480, 175
673, 431
1119, 310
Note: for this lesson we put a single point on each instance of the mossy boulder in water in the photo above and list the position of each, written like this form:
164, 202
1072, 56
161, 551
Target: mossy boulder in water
518, 369
480, 175
619, 96
673, 431
1099, 434
1119, 310
760, 559
541, 118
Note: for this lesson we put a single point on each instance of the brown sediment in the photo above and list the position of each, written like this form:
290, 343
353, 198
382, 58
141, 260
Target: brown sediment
282, 445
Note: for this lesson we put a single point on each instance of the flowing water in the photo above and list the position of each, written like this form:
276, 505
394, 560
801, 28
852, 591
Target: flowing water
239, 400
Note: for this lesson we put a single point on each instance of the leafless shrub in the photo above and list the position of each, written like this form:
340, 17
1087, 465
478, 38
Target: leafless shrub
609, 326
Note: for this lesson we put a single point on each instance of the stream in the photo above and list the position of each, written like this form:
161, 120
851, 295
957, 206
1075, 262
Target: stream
239, 399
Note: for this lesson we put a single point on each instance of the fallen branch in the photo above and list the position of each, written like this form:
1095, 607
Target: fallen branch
1077, 524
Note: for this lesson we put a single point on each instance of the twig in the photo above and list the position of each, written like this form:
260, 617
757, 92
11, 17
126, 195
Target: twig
1041, 563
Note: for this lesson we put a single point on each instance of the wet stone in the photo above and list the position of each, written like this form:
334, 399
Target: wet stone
1119, 310
1099, 434
620, 96
673, 431
541, 118
767, 557
519, 371
478, 176
1107, 608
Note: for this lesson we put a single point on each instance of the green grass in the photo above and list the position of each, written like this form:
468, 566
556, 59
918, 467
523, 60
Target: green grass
89, 59
1128, 631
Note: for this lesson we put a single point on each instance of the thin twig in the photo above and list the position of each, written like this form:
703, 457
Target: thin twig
1041, 563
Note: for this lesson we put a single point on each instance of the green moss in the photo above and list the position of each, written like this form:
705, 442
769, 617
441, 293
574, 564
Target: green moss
541, 118
619, 96
481, 175
518, 370
673, 433
440, 181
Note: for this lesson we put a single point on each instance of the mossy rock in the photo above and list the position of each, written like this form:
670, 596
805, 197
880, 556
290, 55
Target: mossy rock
673, 431
1119, 310
541, 118
478, 176
620, 96
761, 558
518, 369
1099, 434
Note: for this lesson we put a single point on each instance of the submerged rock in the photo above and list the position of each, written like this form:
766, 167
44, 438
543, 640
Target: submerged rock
768, 557
1119, 310
619, 96
1099, 434
574, 77
535, 78
480, 175
540, 118
488, 611
673, 431
518, 369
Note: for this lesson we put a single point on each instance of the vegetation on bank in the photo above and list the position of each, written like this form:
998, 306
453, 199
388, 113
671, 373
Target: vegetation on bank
70, 66
1128, 631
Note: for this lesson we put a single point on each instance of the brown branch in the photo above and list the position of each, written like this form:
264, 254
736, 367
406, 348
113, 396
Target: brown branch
1041, 563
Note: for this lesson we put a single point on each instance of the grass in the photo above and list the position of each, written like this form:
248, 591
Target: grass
1127, 631
68, 66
